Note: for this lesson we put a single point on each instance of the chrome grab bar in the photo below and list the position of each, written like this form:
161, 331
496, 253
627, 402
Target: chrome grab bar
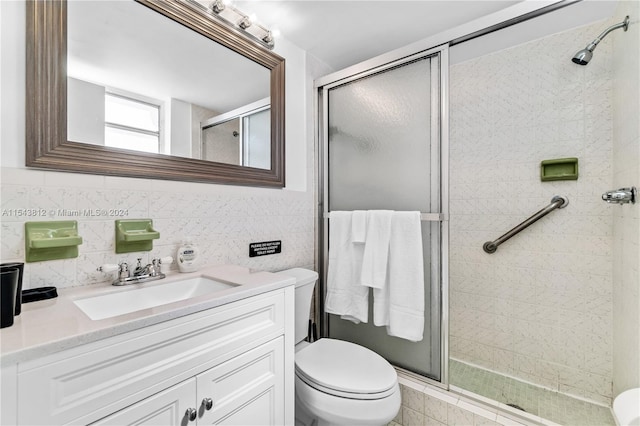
557, 202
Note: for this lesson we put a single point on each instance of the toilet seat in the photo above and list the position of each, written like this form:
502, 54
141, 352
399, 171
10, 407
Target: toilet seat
345, 370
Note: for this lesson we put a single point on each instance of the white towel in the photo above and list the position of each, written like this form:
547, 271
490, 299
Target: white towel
374, 263
345, 296
359, 226
376, 248
406, 277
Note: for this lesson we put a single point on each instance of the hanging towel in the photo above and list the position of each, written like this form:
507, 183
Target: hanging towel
376, 248
345, 296
406, 277
359, 226
374, 262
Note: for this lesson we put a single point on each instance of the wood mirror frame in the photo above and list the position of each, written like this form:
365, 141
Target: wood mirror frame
46, 104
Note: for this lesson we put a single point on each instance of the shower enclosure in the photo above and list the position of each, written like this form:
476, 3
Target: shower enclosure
532, 325
383, 146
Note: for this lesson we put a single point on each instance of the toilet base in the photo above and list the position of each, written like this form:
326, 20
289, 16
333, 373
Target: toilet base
305, 418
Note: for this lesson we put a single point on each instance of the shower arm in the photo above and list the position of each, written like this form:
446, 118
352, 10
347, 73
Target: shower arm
624, 24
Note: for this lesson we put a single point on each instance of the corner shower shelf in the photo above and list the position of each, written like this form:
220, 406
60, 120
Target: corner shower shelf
51, 240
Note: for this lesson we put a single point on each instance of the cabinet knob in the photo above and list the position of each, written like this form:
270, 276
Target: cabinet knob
191, 414
208, 403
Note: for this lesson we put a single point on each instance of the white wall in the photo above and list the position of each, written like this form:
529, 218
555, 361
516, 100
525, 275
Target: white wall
180, 129
85, 112
626, 219
540, 308
223, 219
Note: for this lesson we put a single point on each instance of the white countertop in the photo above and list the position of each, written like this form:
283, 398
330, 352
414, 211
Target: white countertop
57, 324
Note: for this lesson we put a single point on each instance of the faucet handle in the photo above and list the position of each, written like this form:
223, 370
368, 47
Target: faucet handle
108, 267
621, 196
160, 260
157, 264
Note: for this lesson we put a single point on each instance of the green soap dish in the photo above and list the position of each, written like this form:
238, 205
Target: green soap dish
135, 235
559, 169
51, 240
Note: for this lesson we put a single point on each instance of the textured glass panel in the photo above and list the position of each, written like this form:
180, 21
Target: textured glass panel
379, 141
380, 145
257, 135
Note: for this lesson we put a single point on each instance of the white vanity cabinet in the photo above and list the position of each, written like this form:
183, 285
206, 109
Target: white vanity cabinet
232, 364
247, 390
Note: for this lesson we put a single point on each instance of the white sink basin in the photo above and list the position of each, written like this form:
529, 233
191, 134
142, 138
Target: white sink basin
126, 301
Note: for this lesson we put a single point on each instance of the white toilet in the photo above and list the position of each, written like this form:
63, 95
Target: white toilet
338, 382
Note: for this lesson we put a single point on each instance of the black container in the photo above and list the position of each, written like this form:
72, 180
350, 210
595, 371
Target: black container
8, 289
37, 294
20, 267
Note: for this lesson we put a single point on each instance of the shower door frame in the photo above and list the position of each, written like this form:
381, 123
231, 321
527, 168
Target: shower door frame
441, 125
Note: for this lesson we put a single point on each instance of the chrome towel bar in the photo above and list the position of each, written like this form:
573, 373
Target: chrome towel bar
424, 217
557, 202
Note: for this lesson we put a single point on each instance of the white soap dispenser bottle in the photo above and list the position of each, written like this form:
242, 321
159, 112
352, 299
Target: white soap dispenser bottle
188, 256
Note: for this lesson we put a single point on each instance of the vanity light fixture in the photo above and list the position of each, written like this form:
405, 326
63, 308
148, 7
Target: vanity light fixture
218, 6
244, 23
268, 37
238, 20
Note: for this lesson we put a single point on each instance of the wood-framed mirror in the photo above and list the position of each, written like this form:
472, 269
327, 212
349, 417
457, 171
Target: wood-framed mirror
49, 147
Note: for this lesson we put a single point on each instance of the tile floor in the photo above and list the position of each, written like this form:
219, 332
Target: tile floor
554, 406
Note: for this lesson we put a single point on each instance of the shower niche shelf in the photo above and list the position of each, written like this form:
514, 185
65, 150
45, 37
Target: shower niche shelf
559, 169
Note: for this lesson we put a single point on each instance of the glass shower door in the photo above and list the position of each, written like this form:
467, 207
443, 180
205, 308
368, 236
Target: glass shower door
382, 151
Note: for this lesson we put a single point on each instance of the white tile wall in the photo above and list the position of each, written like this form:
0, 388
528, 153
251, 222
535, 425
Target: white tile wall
223, 220
626, 219
540, 308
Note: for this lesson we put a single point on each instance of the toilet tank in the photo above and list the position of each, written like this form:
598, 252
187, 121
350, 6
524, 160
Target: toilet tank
305, 282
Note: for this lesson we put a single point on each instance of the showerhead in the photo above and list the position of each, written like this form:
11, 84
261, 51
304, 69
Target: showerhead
584, 56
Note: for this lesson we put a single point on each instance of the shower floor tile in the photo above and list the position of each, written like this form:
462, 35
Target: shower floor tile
554, 406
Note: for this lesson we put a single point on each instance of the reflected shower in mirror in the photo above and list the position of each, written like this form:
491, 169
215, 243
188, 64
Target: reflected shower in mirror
239, 137
142, 82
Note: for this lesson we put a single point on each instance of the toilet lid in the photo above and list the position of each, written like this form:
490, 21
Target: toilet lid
345, 367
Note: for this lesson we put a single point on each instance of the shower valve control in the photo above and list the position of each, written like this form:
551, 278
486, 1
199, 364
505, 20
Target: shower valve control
621, 196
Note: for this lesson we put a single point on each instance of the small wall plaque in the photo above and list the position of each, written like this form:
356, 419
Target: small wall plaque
264, 248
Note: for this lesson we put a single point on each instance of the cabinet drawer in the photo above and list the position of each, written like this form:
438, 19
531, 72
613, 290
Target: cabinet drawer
84, 384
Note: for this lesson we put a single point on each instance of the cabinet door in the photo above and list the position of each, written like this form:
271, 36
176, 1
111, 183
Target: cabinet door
167, 408
247, 390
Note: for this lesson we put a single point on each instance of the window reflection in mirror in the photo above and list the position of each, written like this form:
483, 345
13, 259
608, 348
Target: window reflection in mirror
131, 124
169, 76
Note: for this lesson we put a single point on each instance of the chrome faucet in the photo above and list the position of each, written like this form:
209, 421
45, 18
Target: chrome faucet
140, 270
621, 196
141, 274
